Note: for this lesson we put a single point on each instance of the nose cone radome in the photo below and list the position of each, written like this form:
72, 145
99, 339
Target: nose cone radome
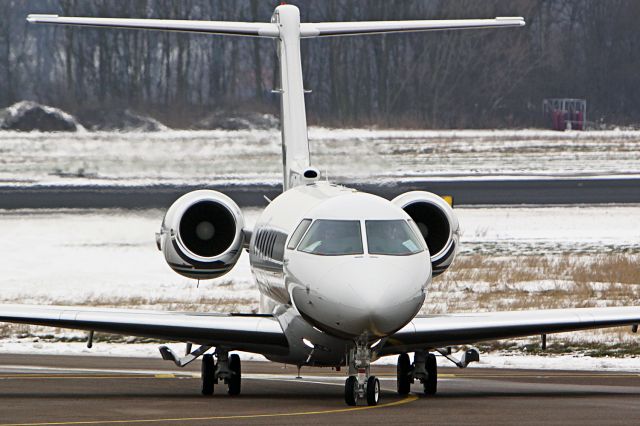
369, 295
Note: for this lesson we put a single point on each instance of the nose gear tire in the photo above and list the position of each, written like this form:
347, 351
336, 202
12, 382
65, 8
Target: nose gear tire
351, 391
373, 390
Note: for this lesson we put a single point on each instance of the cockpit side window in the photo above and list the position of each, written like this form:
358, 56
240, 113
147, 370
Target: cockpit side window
298, 233
391, 237
333, 238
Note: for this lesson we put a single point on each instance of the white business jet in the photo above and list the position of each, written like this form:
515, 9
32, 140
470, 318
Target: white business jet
342, 274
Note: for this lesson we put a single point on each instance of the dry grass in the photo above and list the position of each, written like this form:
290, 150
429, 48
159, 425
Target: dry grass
485, 283
613, 269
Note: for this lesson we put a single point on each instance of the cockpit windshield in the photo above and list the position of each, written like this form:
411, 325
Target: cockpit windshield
333, 238
391, 237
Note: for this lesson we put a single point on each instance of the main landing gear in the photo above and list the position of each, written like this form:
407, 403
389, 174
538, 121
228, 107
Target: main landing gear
227, 369
360, 384
424, 368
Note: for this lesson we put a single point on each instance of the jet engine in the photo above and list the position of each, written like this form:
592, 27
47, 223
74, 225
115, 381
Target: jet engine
437, 223
201, 235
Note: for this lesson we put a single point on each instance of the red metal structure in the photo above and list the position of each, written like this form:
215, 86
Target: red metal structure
565, 114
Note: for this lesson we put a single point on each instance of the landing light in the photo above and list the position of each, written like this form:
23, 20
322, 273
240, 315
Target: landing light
308, 343
376, 343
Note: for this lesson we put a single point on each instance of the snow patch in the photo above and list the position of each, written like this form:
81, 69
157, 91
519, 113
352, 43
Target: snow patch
121, 121
31, 116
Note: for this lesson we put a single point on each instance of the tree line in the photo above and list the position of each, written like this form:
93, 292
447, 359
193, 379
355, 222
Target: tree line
489, 78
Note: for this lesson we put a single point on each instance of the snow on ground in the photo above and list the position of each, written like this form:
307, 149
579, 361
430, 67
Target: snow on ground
104, 257
550, 230
342, 154
109, 257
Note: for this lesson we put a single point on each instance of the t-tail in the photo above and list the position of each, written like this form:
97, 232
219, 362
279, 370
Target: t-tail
285, 27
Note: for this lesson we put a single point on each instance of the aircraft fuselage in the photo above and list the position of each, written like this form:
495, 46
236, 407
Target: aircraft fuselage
356, 284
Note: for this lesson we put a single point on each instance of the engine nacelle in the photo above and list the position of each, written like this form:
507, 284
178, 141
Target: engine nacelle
437, 223
201, 235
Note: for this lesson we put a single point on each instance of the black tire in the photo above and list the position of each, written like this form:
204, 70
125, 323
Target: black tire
404, 374
351, 391
208, 374
373, 390
431, 384
236, 377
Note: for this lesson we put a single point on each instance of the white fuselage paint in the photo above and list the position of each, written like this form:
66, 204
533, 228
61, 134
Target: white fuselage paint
341, 297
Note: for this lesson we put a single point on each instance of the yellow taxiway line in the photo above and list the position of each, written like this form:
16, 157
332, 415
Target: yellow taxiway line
406, 400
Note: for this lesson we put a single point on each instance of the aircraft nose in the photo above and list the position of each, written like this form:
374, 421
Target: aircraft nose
381, 300
374, 296
378, 312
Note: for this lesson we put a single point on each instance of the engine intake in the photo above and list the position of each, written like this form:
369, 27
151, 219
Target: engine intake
437, 223
201, 234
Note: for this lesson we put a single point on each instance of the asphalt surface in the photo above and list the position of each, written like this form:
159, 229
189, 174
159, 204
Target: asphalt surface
65, 390
471, 192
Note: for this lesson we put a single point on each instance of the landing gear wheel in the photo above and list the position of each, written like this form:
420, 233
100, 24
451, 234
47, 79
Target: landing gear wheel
373, 390
208, 374
404, 373
236, 377
351, 391
431, 383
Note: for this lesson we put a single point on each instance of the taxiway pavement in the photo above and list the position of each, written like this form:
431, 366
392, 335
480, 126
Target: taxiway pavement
93, 390
548, 191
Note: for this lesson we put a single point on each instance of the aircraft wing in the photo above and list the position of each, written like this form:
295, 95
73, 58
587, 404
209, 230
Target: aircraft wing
329, 29
437, 331
255, 29
252, 333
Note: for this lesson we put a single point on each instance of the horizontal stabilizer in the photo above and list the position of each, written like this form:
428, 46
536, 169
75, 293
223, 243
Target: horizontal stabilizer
252, 29
329, 29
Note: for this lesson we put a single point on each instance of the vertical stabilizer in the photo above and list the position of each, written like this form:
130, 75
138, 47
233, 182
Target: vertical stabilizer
295, 145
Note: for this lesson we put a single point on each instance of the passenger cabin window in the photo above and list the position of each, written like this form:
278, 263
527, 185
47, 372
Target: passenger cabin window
298, 233
270, 244
391, 237
333, 238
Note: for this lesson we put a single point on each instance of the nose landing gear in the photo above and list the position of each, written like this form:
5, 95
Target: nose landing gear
360, 384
